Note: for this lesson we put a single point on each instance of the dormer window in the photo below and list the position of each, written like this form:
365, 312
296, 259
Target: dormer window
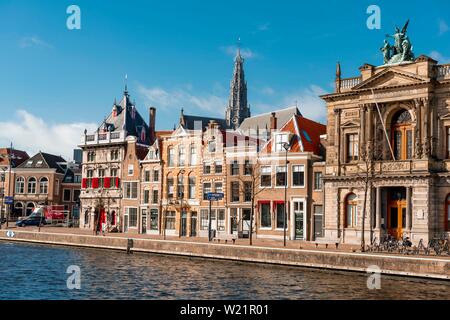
280, 139
29, 163
212, 146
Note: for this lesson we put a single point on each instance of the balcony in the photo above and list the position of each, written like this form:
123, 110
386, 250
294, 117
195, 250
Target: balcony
443, 71
102, 138
347, 84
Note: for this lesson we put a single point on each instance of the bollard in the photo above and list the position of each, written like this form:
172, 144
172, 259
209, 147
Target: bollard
337, 245
129, 246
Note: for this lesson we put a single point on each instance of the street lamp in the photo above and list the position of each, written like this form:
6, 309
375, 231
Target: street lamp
2, 204
10, 156
181, 196
286, 148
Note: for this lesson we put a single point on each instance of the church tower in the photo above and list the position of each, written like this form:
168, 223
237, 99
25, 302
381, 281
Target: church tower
238, 108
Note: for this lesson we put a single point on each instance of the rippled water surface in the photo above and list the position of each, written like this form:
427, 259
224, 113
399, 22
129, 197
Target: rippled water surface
39, 272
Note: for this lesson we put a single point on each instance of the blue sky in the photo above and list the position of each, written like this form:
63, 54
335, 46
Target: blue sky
180, 54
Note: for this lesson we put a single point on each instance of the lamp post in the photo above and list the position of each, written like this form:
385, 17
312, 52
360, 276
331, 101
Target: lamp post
10, 156
286, 148
181, 196
2, 204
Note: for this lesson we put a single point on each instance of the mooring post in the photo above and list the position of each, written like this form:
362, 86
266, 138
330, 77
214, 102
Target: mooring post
129, 246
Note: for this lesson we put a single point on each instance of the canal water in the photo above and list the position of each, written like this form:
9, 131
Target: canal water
30, 271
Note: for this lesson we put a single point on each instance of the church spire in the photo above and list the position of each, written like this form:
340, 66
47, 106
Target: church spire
237, 109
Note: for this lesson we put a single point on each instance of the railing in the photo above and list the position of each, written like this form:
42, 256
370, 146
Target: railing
350, 82
102, 137
443, 70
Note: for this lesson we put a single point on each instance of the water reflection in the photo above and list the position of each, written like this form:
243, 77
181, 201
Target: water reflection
39, 272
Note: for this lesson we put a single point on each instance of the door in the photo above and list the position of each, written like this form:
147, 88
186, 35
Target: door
246, 213
299, 220
125, 223
183, 223
396, 218
193, 224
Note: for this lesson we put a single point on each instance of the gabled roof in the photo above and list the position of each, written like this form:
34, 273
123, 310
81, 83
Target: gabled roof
191, 122
43, 160
389, 77
262, 121
305, 135
125, 116
69, 176
18, 156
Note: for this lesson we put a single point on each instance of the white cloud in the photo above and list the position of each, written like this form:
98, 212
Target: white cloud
174, 99
307, 99
245, 52
436, 55
443, 27
268, 91
33, 134
33, 41
264, 27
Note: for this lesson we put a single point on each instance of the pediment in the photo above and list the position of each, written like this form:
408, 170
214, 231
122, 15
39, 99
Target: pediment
180, 131
391, 78
349, 124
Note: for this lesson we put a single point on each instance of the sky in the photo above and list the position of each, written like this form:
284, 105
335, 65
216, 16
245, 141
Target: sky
179, 54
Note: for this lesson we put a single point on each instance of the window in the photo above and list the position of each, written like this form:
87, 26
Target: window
130, 169
191, 187
212, 146
247, 168
151, 154
193, 155
132, 216
29, 163
180, 187
281, 176
154, 219
90, 156
39, 163
171, 157
247, 191
67, 195
147, 175
204, 219
31, 185
146, 196
220, 219
170, 220
447, 216
317, 180
218, 187
266, 219
43, 185
298, 176
447, 130
206, 190
155, 197
155, 175
266, 176
170, 188
181, 156
76, 196
113, 172
352, 147
206, 168
218, 167
114, 155
235, 191
2, 177
20, 185
101, 174
89, 176
235, 168
130, 190
351, 211
318, 220
77, 178
280, 140
280, 215
402, 135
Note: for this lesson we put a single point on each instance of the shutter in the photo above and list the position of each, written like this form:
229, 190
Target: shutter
107, 182
95, 183
117, 182
84, 183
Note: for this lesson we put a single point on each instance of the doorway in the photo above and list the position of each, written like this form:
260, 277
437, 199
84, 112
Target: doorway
144, 221
183, 223
299, 212
396, 212
193, 224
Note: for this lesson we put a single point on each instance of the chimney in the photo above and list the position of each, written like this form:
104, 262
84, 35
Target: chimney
273, 122
151, 124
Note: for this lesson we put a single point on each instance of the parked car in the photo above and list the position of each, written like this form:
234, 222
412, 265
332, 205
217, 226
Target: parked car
33, 219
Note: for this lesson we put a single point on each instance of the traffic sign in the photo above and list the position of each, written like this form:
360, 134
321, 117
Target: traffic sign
215, 196
9, 200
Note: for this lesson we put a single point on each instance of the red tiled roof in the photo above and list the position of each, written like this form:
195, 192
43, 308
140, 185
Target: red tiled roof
20, 156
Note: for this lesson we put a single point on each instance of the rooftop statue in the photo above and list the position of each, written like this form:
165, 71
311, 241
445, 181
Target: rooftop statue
401, 51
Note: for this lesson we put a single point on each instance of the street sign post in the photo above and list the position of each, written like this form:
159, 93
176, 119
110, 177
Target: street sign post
212, 196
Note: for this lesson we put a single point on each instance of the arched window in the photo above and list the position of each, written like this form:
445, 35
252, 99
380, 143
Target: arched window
18, 208
351, 211
401, 134
30, 208
43, 185
31, 185
171, 157
447, 215
20, 185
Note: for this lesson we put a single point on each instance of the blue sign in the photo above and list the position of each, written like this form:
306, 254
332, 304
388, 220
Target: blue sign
9, 200
215, 196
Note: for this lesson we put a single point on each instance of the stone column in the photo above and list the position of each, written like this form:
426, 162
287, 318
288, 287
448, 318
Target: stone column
425, 133
378, 209
408, 208
337, 136
362, 130
418, 129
